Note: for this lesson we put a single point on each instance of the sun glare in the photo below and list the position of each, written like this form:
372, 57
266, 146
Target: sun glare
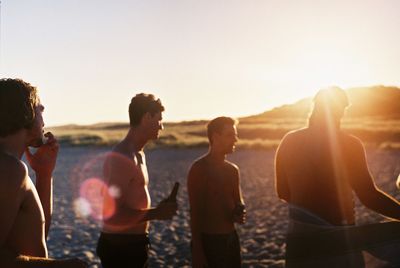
312, 69
323, 68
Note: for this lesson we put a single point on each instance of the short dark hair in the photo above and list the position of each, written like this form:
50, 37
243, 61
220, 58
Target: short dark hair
217, 124
140, 105
18, 100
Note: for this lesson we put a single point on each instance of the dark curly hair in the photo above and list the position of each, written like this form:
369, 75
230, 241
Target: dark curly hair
140, 105
18, 100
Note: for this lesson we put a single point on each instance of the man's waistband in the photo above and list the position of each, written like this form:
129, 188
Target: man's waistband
122, 238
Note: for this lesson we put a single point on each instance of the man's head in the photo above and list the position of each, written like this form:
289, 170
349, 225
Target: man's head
20, 109
222, 133
145, 110
329, 104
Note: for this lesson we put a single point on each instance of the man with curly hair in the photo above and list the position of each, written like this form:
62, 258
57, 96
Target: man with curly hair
25, 208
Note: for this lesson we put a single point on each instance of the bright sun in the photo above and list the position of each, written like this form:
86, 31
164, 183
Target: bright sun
324, 68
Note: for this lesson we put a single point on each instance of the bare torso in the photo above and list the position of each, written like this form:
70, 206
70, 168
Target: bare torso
315, 171
218, 186
129, 175
26, 233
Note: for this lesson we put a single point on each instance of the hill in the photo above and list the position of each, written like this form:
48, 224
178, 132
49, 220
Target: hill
374, 117
377, 101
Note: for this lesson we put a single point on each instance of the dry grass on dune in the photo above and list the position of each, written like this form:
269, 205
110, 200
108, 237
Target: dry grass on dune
254, 134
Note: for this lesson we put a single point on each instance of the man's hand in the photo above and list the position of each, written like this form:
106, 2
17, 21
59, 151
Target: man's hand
239, 214
43, 161
166, 210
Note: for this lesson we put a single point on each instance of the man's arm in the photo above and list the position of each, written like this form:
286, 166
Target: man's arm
126, 217
13, 185
239, 214
281, 183
10, 260
195, 191
12, 192
363, 185
43, 162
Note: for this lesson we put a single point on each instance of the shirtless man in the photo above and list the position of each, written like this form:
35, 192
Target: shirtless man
216, 201
124, 238
25, 208
317, 170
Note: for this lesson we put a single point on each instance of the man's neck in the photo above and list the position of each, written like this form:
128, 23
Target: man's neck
13, 145
324, 125
136, 139
216, 156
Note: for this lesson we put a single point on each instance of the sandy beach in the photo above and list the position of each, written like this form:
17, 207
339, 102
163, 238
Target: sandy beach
73, 234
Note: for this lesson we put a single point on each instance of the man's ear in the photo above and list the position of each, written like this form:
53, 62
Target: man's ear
214, 136
146, 117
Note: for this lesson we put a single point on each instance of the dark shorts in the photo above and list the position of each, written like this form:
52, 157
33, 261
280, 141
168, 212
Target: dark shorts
345, 245
123, 250
222, 250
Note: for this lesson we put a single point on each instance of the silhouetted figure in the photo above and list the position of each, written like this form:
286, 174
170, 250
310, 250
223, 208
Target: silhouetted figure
127, 207
25, 208
318, 168
216, 201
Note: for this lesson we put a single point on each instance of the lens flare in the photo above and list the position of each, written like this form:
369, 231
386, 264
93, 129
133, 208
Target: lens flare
82, 207
94, 194
114, 191
96, 199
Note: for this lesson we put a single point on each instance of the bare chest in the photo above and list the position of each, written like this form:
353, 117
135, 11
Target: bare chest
218, 188
137, 194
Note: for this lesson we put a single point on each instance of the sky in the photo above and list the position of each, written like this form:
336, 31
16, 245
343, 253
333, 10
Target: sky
202, 58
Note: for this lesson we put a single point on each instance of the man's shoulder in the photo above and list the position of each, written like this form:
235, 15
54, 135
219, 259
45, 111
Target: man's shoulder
351, 141
297, 132
231, 166
199, 162
13, 173
118, 155
120, 148
351, 138
295, 136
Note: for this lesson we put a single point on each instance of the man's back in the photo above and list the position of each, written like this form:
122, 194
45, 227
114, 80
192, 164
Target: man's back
317, 170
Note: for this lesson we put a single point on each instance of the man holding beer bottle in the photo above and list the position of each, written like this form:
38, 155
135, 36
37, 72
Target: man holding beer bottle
127, 211
216, 201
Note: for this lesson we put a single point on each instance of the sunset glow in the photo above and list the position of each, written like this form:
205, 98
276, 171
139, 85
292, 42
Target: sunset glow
203, 59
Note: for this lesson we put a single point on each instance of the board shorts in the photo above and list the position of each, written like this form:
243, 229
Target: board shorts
123, 250
222, 250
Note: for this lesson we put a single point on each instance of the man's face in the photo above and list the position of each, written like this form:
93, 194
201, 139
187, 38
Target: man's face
226, 139
35, 134
153, 125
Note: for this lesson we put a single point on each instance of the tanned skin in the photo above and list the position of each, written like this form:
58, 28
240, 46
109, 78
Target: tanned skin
214, 192
319, 167
26, 208
125, 169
